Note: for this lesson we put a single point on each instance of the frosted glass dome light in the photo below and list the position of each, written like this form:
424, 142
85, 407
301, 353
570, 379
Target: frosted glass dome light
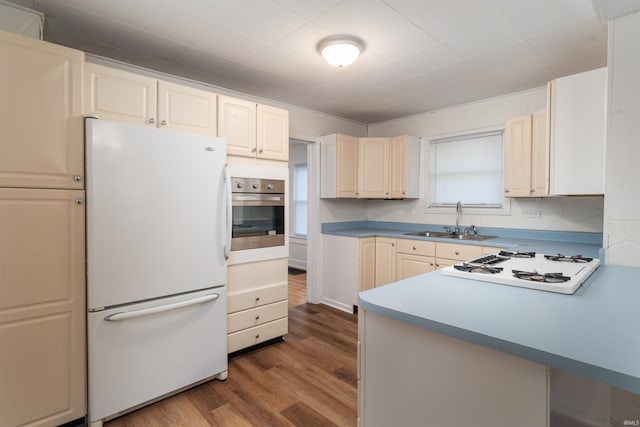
340, 51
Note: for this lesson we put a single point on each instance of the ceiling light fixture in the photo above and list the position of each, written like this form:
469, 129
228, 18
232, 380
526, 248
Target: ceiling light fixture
340, 50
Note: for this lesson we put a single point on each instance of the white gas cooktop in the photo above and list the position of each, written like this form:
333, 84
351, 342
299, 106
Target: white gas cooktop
554, 273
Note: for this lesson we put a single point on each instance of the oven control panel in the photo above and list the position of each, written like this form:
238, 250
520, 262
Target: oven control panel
256, 185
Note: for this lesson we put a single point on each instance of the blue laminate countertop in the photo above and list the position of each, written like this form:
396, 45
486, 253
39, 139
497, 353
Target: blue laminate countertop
541, 241
593, 333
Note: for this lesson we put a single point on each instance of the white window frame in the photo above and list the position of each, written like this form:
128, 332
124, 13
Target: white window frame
294, 202
429, 162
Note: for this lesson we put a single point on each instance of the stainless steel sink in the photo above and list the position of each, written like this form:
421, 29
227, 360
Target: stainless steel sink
429, 234
470, 237
444, 235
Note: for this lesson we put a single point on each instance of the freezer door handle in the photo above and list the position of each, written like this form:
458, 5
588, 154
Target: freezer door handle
123, 315
227, 243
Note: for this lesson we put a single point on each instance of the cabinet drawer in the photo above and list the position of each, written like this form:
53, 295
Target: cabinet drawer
256, 297
252, 336
256, 316
458, 252
416, 247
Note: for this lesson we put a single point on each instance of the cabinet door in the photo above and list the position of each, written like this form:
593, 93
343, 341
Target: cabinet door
399, 175
273, 133
517, 157
120, 96
186, 109
385, 260
41, 128
412, 265
237, 124
346, 166
42, 308
578, 118
373, 168
367, 273
540, 154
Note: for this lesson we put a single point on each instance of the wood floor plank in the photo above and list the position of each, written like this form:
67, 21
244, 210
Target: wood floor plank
308, 380
301, 414
332, 408
297, 289
227, 416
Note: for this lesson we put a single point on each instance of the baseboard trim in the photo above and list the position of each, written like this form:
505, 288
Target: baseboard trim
336, 304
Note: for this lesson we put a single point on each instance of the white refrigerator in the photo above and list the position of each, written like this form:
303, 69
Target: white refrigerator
158, 235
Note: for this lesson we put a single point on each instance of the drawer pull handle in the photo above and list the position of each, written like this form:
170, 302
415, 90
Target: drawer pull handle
257, 317
414, 248
257, 336
457, 253
257, 299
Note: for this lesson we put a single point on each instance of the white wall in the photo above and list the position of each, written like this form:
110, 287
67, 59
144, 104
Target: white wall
622, 171
562, 213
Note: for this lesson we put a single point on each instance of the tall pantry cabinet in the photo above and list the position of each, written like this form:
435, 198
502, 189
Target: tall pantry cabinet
42, 276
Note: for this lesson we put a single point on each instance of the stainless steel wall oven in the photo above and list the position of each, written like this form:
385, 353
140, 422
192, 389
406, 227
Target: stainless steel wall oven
258, 213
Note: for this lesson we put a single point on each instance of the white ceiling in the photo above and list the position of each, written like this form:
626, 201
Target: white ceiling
421, 55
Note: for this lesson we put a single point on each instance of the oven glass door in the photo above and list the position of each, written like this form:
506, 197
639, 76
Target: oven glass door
258, 221
250, 221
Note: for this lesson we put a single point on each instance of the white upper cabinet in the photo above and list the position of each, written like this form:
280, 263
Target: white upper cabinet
517, 156
253, 130
41, 138
370, 168
237, 124
577, 106
272, 138
339, 166
186, 109
540, 154
121, 96
374, 160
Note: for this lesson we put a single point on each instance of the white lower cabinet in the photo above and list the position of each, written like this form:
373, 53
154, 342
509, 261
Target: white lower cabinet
385, 261
356, 264
414, 257
257, 303
42, 307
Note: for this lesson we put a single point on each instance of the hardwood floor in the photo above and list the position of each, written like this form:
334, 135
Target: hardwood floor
297, 289
307, 380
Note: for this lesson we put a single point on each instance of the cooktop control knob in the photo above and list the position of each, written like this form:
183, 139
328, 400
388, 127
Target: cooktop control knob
269, 186
255, 186
239, 185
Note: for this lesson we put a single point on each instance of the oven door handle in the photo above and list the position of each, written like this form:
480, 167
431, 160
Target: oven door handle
229, 211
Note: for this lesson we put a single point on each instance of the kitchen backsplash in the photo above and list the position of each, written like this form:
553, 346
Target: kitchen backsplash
562, 213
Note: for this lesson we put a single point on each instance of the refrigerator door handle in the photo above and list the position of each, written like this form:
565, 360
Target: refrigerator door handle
123, 315
227, 244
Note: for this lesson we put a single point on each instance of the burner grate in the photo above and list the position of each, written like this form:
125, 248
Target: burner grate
517, 254
568, 258
469, 268
534, 276
488, 260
